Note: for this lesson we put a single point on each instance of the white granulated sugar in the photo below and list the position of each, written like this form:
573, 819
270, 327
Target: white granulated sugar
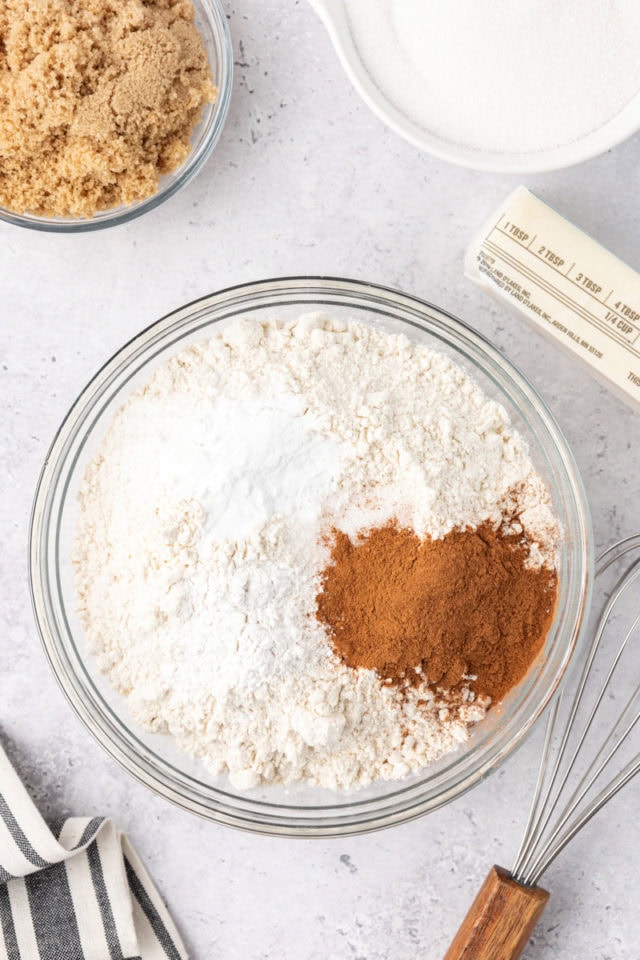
503, 76
202, 535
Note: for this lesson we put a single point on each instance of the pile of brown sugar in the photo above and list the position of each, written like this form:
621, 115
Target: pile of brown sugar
98, 99
438, 611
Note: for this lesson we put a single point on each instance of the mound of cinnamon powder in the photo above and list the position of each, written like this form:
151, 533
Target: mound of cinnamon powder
438, 610
98, 99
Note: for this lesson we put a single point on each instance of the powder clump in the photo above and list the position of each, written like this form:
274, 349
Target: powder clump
98, 99
438, 611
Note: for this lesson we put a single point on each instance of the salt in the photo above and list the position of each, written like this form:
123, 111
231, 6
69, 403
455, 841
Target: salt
502, 76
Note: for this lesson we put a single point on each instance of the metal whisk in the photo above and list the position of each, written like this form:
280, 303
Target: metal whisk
575, 779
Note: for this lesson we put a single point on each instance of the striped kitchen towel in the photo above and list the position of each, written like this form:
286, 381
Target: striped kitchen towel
75, 890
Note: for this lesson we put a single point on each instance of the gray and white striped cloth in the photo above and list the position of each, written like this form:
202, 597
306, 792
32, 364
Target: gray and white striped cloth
74, 890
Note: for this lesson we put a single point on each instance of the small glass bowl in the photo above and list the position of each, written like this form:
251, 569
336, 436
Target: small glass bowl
154, 758
212, 24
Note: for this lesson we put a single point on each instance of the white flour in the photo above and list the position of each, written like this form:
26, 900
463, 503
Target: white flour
504, 76
199, 543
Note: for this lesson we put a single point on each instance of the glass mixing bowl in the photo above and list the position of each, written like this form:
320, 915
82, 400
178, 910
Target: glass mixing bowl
213, 25
154, 758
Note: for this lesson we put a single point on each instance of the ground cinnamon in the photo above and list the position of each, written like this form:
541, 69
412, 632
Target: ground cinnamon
437, 610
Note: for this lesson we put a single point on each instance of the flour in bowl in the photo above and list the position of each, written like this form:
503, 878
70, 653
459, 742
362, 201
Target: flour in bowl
205, 523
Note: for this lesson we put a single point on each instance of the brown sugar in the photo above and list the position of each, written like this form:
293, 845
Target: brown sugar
98, 99
438, 610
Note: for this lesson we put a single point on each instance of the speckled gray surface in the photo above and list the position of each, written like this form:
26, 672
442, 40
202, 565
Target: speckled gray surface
306, 180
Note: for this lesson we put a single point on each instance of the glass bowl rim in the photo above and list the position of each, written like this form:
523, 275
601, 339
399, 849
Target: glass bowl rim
194, 163
126, 748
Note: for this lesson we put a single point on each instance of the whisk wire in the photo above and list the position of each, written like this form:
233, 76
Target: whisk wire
548, 738
572, 807
615, 552
552, 789
581, 790
632, 768
538, 850
610, 739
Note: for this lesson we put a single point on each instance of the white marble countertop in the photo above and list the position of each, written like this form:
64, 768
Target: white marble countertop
307, 180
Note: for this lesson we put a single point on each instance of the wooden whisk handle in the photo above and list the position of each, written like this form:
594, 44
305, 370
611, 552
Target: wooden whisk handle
500, 920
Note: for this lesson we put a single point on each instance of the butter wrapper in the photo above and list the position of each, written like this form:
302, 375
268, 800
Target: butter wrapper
565, 284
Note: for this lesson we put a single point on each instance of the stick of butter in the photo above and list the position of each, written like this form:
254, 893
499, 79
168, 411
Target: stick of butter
565, 284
